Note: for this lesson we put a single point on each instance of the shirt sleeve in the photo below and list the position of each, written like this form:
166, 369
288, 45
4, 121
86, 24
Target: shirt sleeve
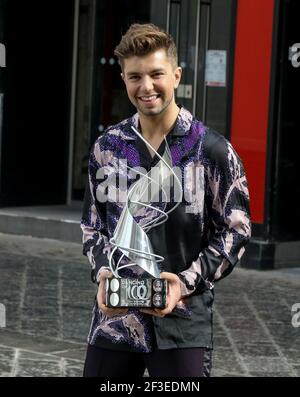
228, 216
93, 223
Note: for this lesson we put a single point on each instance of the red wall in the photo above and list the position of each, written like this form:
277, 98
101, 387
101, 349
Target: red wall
251, 85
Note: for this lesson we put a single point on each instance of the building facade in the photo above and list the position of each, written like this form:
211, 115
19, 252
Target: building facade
61, 87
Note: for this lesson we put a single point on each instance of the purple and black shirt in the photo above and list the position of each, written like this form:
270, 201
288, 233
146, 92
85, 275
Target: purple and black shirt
201, 242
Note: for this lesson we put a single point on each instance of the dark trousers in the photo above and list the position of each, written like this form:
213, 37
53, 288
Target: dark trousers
188, 362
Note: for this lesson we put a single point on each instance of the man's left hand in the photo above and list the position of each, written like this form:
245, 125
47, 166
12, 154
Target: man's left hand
173, 296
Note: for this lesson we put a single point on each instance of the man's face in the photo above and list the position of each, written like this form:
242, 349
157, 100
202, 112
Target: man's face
150, 82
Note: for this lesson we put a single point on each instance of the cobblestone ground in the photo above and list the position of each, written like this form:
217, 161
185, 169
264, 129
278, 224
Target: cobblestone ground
46, 289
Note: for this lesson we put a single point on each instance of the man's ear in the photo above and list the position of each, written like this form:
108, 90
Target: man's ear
122, 75
177, 75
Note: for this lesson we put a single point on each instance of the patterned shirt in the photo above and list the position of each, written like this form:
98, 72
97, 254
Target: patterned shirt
201, 242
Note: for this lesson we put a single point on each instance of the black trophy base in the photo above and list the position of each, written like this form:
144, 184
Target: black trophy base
136, 292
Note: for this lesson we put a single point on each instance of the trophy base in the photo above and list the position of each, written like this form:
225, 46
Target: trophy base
136, 292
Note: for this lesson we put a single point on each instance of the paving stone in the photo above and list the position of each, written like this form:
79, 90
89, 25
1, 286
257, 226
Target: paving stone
38, 367
225, 373
227, 363
266, 364
6, 360
36, 343
292, 355
271, 374
297, 369
73, 369
77, 354
256, 349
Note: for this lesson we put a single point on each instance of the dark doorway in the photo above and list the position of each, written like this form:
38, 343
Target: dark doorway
285, 218
38, 38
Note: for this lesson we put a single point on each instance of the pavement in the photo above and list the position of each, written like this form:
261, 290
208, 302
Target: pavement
47, 296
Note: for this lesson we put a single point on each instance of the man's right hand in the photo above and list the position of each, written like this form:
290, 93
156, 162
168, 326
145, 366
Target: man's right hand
108, 311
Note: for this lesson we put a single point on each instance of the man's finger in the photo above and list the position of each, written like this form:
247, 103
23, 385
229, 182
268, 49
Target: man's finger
104, 274
147, 311
171, 277
112, 312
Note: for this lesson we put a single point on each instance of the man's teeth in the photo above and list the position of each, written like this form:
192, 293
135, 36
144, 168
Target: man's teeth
148, 98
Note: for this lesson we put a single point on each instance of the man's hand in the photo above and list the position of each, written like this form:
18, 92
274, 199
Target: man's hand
108, 311
173, 296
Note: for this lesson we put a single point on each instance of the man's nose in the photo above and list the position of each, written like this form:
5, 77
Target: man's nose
147, 84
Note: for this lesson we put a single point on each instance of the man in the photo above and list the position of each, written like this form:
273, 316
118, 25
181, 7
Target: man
202, 239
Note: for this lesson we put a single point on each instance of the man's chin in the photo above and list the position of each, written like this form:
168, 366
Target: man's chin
151, 112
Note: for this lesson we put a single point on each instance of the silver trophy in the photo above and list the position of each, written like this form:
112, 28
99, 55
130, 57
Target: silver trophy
131, 242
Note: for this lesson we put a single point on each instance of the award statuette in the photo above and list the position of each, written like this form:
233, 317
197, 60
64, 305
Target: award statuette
132, 244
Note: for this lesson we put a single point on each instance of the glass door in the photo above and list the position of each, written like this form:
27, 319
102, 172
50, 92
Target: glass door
101, 98
204, 33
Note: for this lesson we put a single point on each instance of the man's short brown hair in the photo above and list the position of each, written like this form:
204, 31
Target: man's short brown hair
143, 39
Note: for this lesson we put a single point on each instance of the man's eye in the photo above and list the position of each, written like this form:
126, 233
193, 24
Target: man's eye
133, 77
158, 74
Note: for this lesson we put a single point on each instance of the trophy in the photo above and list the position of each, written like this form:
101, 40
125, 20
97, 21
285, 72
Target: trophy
131, 243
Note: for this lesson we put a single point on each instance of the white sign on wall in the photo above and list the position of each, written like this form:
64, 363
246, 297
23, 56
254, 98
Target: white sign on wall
215, 68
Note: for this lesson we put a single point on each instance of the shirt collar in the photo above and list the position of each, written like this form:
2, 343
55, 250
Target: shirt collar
181, 128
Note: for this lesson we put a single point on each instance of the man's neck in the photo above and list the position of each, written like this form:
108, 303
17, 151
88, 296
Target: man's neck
160, 125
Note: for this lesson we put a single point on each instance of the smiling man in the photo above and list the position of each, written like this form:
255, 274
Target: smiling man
201, 241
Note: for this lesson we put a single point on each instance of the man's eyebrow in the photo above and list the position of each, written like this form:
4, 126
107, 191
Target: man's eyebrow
131, 73
151, 72
158, 70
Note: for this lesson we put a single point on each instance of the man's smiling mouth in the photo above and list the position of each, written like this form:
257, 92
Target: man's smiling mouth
149, 98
